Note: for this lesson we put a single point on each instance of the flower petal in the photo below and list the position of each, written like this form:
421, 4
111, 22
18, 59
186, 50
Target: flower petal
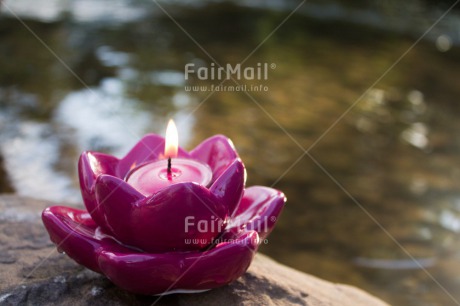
217, 151
116, 200
258, 210
74, 232
166, 219
90, 166
229, 185
159, 273
150, 147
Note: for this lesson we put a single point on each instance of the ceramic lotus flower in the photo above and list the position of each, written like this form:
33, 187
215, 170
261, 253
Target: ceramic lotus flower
185, 237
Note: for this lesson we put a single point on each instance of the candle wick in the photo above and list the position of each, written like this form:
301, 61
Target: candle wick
169, 168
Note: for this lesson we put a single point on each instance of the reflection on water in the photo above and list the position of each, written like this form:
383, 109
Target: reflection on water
82, 111
30, 156
395, 152
82, 11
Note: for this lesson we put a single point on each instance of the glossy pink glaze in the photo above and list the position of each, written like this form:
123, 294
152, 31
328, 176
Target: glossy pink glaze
143, 244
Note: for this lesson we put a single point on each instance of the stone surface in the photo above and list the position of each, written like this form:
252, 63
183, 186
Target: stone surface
32, 272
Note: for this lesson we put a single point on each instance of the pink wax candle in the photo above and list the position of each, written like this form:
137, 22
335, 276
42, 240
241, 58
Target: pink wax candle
151, 177
158, 224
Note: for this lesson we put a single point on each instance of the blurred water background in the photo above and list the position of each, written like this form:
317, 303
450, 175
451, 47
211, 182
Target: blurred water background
117, 72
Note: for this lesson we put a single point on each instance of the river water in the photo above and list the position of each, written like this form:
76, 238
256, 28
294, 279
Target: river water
376, 189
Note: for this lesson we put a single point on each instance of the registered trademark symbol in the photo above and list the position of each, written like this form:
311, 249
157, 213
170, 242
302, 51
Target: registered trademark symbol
273, 218
273, 66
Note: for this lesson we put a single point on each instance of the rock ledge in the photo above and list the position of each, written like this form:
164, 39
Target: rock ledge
33, 272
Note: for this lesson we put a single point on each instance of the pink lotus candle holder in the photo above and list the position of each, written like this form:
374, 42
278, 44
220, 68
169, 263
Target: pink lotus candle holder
158, 227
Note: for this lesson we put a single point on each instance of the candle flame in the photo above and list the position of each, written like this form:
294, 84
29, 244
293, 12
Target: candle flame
172, 140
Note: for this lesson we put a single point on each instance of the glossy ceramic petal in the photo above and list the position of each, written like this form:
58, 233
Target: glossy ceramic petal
78, 236
218, 152
165, 220
180, 271
183, 237
73, 232
258, 210
115, 199
90, 166
150, 147
229, 185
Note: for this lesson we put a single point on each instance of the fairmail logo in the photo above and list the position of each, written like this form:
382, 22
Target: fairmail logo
217, 224
228, 72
